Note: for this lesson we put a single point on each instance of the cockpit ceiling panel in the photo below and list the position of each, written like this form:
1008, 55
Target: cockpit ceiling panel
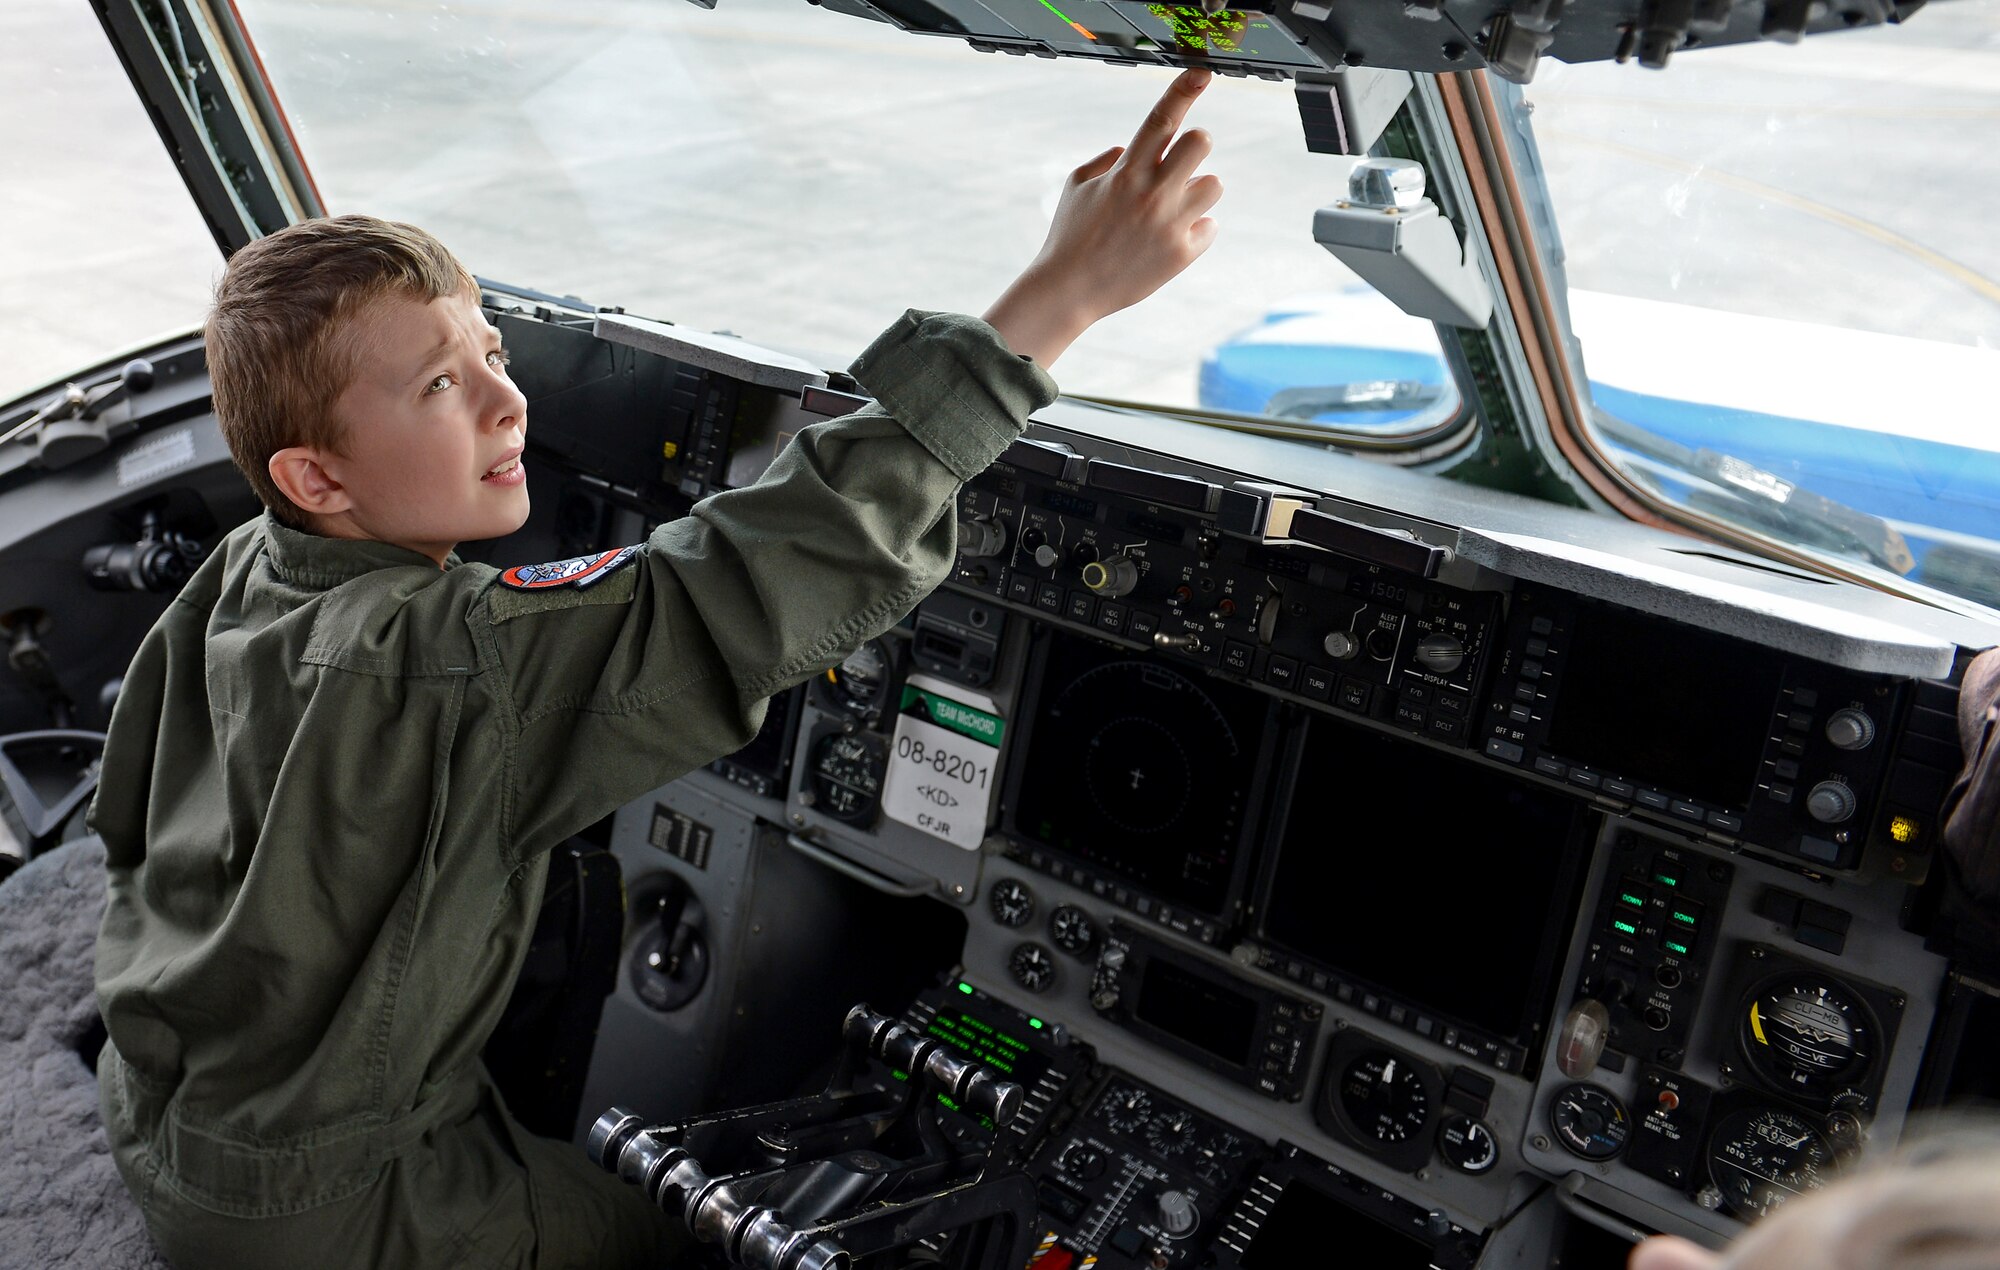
1275, 39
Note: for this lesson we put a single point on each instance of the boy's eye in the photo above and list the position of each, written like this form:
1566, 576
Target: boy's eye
499, 357
439, 384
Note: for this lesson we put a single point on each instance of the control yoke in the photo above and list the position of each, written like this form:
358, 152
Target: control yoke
842, 1179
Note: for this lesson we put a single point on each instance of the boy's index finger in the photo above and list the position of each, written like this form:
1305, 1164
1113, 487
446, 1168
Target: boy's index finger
1164, 119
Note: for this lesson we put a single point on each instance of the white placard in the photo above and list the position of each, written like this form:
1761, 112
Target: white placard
944, 761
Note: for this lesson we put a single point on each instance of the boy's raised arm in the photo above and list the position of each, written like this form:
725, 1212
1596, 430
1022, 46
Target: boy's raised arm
663, 659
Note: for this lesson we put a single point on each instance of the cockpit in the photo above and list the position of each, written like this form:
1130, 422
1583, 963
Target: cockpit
1435, 751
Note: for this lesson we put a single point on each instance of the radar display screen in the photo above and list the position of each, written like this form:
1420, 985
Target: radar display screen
1135, 768
1176, 34
1666, 705
1437, 880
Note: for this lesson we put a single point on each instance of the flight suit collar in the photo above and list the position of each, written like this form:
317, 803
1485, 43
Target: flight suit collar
313, 560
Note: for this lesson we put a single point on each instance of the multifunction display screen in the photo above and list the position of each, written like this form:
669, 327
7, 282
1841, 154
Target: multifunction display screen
1437, 880
1665, 705
1305, 1217
1140, 770
1197, 1010
1012, 1056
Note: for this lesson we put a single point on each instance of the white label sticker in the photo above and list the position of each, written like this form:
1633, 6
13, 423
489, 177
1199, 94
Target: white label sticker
155, 458
944, 761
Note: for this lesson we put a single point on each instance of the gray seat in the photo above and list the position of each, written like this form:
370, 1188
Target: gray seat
61, 1201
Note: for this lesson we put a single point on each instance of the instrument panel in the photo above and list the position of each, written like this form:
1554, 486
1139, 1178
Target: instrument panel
1414, 879
1311, 877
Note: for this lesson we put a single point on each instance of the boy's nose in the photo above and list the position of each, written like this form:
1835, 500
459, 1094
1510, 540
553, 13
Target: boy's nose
508, 407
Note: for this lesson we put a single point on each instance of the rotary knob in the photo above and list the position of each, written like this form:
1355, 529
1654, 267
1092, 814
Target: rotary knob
1113, 577
1440, 652
980, 538
1340, 645
1830, 802
1046, 556
1850, 729
1177, 1213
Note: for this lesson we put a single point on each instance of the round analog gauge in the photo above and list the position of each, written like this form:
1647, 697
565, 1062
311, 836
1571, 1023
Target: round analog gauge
1806, 1033
1033, 967
1590, 1122
857, 685
1760, 1157
1127, 1109
1083, 1162
1072, 930
1384, 1097
1012, 902
1171, 1133
847, 776
1467, 1144
1218, 1156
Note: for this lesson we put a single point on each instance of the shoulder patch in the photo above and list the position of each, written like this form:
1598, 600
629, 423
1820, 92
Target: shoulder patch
578, 572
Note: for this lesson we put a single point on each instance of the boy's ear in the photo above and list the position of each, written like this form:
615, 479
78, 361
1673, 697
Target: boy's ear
299, 474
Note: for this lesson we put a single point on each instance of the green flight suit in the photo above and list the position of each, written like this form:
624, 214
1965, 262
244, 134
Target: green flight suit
332, 779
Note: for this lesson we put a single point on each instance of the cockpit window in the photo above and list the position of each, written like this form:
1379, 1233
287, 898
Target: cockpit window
800, 177
1785, 285
100, 248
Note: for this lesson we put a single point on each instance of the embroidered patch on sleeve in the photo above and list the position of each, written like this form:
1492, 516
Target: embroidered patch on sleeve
578, 572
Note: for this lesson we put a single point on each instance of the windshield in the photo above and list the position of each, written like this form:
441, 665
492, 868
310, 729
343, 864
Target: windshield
100, 247
1785, 284
799, 178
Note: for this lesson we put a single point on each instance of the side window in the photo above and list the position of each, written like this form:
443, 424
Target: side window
100, 246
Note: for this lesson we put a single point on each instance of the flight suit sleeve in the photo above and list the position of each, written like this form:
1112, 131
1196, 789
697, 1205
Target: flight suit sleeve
664, 662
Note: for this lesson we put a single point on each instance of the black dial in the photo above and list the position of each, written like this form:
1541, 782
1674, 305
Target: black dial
1216, 1158
857, 685
1759, 1157
1171, 1134
1083, 1162
1073, 930
1384, 1097
1127, 1109
1589, 1122
1806, 1033
847, 776
1011, 901
1033, 967
1467, 1144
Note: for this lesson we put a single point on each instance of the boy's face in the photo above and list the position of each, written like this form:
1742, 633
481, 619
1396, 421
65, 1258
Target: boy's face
432, 429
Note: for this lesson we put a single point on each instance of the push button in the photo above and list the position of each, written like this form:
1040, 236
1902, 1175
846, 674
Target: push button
1316, 683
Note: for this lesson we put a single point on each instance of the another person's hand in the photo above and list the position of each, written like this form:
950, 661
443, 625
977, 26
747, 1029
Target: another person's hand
1129, 221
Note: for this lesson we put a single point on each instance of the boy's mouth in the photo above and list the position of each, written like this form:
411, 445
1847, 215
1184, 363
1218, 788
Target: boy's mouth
505, 468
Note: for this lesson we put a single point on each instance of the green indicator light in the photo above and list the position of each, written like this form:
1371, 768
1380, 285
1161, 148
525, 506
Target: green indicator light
1666, 879
1685, 919
1626, 897
1034, 1023
1679, 950
966, 988
1625, 927
900, 1075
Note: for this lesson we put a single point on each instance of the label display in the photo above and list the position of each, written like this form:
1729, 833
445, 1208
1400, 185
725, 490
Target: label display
944, 761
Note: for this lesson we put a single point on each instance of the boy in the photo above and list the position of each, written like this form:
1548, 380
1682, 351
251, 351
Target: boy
340, 757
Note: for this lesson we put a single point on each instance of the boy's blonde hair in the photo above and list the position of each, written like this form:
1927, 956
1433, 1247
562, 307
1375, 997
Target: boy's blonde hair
278, 356
1933, 1204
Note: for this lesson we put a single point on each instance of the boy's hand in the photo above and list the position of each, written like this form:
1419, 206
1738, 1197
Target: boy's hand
1129, 220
